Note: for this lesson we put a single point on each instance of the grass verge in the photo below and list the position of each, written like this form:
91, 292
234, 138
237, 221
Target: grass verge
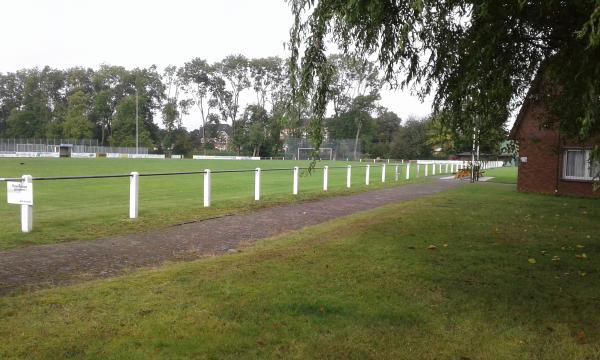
68, 210
364, 286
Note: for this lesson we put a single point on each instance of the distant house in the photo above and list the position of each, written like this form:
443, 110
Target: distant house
222, 136
551, 162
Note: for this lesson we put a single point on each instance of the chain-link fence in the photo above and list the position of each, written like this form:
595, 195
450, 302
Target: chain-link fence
334, 149
90, 146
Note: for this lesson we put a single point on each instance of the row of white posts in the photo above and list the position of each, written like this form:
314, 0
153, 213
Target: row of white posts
134, 183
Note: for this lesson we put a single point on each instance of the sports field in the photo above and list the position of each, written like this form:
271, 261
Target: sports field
66, 210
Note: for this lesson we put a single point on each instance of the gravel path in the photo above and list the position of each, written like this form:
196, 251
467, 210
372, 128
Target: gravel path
57, 264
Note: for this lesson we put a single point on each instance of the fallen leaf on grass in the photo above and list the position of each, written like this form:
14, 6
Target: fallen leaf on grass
432, 247
555, 258
581, 256
445, 245
580, 246
531, 261
581, 337
582, 273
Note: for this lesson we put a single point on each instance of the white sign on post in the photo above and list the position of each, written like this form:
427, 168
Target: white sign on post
19, 193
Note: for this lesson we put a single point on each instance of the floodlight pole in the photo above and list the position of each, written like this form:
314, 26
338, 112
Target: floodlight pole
473, 155
136, 122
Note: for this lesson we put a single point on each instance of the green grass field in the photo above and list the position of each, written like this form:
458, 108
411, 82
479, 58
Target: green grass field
504, 175
69, 210
506, 281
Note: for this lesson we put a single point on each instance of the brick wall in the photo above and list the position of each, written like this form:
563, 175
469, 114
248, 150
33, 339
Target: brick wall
542, 173
540, 147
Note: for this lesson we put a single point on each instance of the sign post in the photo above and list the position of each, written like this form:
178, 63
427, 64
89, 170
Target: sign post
21, 193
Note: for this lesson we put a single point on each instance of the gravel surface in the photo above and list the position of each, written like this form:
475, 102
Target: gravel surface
66, 263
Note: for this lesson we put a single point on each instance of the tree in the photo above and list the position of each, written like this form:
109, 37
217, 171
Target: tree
257, 132
24, 124
351, 77
11, 95
362, 107
204, 85
477, 57
257, 120
410, 142
235, 71
124, 125
38, 104
76, 124
267, 77
385, 126
170, 110
182, 142
440, 136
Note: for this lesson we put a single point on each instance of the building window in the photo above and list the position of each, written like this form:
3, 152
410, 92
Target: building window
577, 165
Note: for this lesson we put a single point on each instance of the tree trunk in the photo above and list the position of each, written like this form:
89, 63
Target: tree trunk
356, 139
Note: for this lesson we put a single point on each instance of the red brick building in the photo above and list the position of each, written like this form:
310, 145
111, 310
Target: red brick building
551, 162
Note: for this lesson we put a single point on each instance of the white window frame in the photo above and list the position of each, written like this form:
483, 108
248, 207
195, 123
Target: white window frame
589, 176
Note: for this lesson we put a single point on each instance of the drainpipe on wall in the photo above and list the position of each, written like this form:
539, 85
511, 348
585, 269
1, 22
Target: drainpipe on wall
558, 157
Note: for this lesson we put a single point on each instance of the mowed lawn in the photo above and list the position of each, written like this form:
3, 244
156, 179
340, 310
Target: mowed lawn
509, 276
68, 210
504, 175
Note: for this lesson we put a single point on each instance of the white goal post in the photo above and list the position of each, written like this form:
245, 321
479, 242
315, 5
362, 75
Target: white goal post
36, 148
324, 153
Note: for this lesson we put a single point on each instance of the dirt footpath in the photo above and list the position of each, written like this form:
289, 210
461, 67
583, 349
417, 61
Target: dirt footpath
58, 264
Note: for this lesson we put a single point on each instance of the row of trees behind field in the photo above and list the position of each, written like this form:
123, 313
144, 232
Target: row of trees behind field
101, 104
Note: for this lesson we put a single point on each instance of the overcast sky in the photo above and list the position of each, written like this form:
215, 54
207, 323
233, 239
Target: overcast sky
67, 33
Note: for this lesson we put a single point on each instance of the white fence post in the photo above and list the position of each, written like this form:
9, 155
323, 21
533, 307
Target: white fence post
295, 187
325, 177
426, 169
383, 173
27, 210
446, 168
257, 184
349, 176
408, 171
439, 168
433, 169
134, 192
396, 173
418, 170
206, 187
368, 174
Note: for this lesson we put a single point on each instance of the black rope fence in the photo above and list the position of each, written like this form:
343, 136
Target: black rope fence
83, 177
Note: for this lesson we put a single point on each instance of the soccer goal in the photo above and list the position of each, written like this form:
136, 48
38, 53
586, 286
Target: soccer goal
306, 153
